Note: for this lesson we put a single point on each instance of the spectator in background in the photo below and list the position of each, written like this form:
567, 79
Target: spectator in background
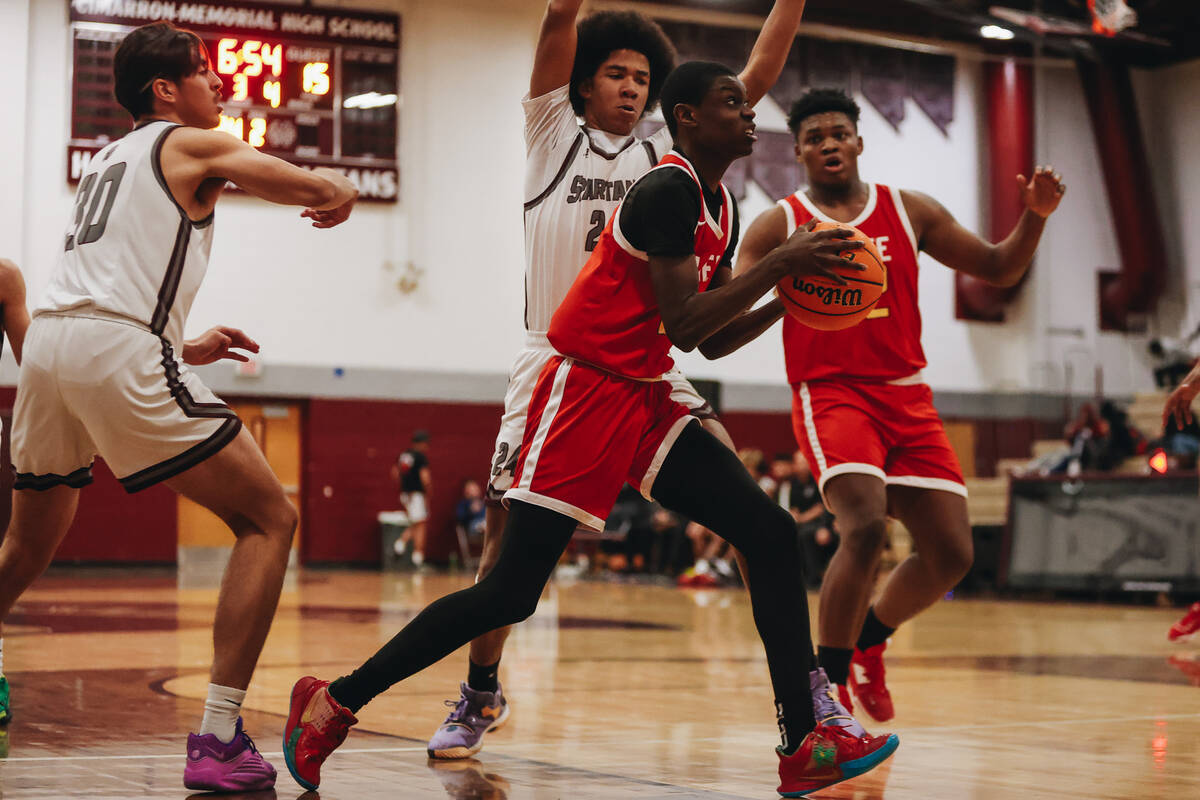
1174, 359
470, 510
1123, 440
412, 470
814, 523
780, 473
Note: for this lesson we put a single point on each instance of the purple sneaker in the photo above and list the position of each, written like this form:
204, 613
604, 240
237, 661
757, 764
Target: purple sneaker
475, 713
215, 766
827, 709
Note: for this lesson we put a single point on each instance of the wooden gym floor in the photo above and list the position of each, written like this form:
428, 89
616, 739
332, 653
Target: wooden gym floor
618, 691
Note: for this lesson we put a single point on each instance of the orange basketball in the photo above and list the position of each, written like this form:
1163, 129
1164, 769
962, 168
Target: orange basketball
821, 303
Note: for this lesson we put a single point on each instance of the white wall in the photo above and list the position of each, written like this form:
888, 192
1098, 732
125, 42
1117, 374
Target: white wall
328, 298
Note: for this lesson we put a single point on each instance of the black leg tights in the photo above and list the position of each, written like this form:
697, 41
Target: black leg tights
534, 539
704, 480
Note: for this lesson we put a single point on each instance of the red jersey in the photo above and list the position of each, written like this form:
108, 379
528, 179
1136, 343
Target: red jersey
610, 316
886, 346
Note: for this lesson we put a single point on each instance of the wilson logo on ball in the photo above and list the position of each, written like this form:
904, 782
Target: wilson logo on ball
829, 295
831, 305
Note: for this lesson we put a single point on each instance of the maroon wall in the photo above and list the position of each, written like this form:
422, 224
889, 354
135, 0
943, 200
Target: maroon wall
349, 449
116, 527
110, 525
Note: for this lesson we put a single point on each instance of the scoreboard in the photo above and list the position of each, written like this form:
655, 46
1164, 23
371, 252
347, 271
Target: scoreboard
315, 86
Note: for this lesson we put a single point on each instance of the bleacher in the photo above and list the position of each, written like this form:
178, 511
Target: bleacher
987, 502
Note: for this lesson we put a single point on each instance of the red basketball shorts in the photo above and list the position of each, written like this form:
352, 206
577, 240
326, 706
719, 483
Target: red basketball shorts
589, 432
883, 429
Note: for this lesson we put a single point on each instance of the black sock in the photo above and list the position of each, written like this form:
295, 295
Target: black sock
337, 690
836, 663
874, 632
483, 678
791, 731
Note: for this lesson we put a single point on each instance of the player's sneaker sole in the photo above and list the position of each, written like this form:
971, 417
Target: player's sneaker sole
451, 753
852, 769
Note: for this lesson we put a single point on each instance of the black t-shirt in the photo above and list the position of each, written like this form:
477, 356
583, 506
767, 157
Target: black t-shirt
659, 214
411, 464
802, 495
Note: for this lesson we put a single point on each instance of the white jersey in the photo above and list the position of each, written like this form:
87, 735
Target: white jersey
130, 249
574, 179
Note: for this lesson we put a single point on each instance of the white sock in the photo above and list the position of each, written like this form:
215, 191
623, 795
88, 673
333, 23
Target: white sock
418, 558
221, 711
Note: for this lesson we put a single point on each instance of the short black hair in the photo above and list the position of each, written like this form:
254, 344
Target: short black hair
687, 84
157, 50
603, 33
821, 101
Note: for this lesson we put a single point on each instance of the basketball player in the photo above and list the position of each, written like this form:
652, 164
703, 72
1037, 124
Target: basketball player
861, 411
1178, 409
601, 414
101, 374
14, 320
607, 70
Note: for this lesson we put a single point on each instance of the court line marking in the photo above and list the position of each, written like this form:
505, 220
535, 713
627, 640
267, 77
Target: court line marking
182, 756
500, 746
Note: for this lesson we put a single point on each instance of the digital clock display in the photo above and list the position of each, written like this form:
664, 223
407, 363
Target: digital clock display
317, 87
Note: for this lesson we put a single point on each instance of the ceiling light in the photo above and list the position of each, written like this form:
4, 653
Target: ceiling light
369, 100
995, 32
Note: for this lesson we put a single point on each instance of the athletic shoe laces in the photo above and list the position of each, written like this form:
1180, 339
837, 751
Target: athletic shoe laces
459, 713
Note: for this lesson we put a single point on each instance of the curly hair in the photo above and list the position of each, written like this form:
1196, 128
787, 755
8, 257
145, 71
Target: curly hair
821, 101
603, 33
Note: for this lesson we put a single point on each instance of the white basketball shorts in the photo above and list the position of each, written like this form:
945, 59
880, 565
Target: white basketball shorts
103, 385
521, 380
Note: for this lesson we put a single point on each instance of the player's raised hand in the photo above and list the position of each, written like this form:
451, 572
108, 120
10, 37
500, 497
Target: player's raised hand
1043, 191
218, 343
330, 216
1179, 404
809, 252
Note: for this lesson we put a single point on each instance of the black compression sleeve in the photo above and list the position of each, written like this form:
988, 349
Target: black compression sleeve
534, 538
704, 480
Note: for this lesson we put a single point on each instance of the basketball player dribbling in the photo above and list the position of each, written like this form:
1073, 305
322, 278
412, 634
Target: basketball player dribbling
101, 371
860, 409
602, 415
14, 321
607, 70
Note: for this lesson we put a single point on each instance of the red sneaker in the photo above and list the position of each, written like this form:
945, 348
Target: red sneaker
1186, 628
831, 755
316, 725
867, 680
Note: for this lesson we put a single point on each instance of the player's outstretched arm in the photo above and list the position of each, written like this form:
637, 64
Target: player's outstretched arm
12, 300
771, 48
1000, 264
209, 155
690, 316
555, 53
1179, 404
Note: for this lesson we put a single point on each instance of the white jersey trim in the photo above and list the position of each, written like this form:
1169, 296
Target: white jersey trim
789, 215
867, 211
904, 220
624, 243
